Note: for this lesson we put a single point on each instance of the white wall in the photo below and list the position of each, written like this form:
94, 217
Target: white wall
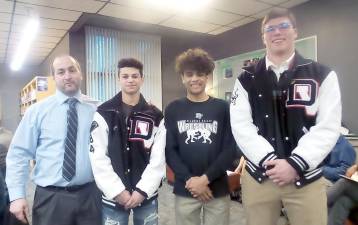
63, 48
10, 85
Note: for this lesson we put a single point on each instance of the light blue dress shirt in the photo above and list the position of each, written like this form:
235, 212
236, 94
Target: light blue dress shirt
41, 135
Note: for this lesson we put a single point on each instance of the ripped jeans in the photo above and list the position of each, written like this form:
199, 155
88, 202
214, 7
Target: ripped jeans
142, 215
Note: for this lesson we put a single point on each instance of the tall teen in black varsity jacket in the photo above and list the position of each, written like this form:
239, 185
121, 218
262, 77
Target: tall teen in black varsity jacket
127, 151
200, 146
285, 116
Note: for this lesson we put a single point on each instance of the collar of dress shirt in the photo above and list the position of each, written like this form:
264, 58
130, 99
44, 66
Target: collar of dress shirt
61, 97
279, 68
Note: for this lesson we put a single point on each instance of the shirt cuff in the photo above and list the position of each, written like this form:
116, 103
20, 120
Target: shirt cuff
17, 193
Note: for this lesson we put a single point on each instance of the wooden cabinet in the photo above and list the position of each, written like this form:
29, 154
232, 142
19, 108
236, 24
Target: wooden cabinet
40, 87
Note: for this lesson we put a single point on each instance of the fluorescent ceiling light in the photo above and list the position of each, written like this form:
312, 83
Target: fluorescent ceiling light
182, 5
28, 36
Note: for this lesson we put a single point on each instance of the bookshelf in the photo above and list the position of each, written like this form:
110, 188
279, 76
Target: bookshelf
40, 87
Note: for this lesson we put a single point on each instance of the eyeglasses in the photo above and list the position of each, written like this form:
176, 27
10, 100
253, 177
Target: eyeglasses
282, 26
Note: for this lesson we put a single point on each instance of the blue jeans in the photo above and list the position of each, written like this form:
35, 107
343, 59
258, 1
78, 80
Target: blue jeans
142, 215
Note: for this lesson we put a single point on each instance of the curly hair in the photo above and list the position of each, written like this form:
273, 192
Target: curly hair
131, 62
195, 59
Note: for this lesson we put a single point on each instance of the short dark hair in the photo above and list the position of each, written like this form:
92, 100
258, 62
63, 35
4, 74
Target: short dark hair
76, 64
276, 13
131, 62
194, 59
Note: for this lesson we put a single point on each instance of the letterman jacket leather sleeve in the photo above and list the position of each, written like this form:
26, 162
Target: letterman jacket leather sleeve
106, 179
316, 143
155, 170
254, 146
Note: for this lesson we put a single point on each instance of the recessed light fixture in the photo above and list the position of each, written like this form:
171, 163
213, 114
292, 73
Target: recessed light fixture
180, 5
28, 36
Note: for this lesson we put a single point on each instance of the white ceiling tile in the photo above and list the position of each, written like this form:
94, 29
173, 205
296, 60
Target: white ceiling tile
263, 13
274, 2
242, 7
43, 31
29, 61
55, 24
293, 3
244, 21
6, 6
220, 30
212, 16
30, 55
34, 63
132, 3
15, 37
5, 17
48, 39
33, 49
189, 24
51, 32
141, 15
38, 44
145, 4
90, 6
128, 2
3, 40
44, 45
40, 41
4, 34
38, 54
141, 4
17, 29
4, 27
46, 12
41, 51
46, 23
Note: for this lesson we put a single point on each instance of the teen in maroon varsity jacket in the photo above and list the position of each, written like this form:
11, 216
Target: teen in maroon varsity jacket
127, 151
285, 116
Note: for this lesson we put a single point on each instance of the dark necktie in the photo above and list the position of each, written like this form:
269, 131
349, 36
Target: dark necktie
69, 159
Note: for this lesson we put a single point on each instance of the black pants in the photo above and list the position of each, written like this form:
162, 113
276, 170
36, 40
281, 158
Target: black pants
54, 206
